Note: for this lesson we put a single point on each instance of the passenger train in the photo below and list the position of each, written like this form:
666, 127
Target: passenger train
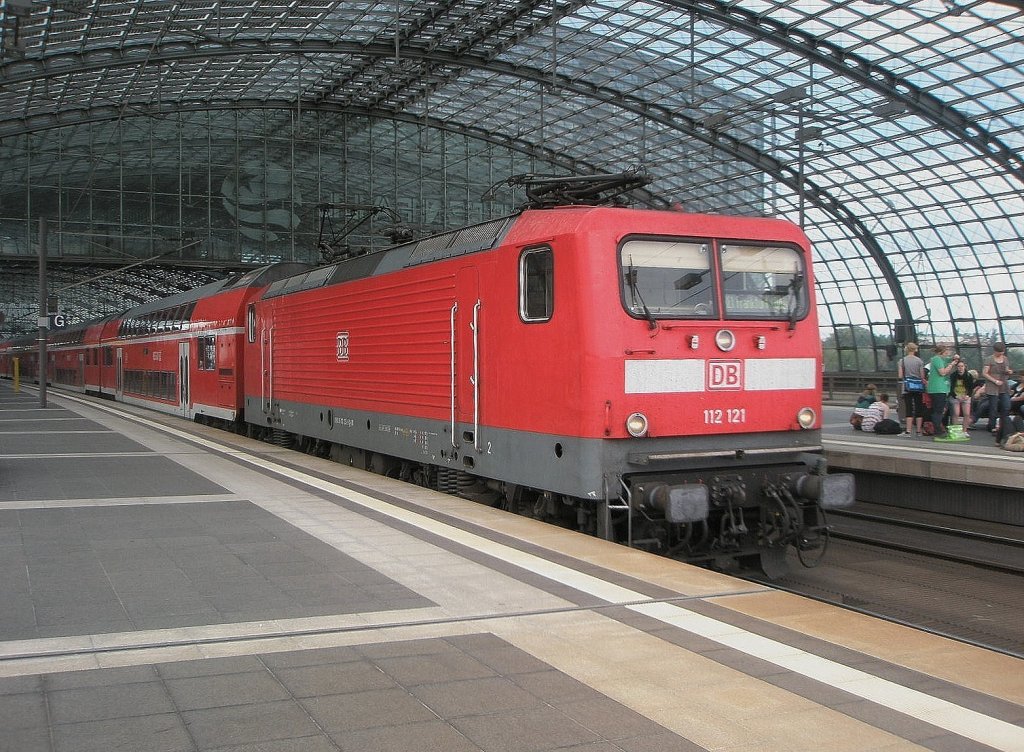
650, 377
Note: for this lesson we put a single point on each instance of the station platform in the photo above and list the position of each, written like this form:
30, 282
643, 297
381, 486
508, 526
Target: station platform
170, 587
978, 461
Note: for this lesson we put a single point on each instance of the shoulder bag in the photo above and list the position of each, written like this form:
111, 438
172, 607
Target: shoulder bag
911, 383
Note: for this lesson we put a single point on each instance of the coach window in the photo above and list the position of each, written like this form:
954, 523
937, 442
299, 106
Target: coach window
206, 351
250, 324
763, 281
536, 284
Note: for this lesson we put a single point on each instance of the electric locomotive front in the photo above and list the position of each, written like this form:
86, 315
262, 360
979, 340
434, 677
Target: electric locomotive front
706, 357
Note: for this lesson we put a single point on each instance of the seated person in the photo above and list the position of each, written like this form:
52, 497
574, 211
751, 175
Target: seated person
1017, 399
981, 414
878, 416
867, 397
860, 409
979, 401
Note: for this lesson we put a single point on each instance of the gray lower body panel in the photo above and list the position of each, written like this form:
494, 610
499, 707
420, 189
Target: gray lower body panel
583, 468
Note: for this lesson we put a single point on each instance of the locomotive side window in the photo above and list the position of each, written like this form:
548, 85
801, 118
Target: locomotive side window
536, 285
250, 324
763, 282
206, 349
667, 277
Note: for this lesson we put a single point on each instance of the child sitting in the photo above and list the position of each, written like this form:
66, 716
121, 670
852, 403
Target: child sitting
864, 402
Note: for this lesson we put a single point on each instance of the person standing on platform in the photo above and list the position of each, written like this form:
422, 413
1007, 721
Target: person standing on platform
940, 366
961, 385
996, 375
911, 374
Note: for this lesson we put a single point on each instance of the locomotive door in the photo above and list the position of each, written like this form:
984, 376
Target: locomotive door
466, 361
266, 366
183, 382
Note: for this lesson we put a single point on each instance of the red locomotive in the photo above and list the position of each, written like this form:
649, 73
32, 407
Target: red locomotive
651, 377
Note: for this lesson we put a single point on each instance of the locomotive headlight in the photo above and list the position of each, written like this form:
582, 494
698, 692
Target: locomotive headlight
636, 424
806, 417
725, 340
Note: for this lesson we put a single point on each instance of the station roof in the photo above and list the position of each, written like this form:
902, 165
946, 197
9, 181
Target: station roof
893, 130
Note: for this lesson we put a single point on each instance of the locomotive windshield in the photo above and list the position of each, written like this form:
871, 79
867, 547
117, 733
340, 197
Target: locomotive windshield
763, 282
672, 278
668, 278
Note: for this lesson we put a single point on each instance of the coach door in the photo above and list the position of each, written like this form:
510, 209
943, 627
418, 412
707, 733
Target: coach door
119, 375
465, 323
183, 381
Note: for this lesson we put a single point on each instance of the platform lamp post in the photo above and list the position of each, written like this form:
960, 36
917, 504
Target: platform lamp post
44, 318
788, 96
804, 133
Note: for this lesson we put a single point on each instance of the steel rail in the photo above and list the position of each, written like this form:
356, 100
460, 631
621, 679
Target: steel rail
930, 528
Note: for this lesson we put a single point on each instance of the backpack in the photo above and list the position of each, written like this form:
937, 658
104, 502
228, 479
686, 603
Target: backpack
887, 425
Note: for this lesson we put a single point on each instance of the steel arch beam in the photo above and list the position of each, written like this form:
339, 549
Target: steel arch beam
789, 37
861, 70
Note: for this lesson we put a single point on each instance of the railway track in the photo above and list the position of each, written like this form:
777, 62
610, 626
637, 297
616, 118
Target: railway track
962, 581
1001, 553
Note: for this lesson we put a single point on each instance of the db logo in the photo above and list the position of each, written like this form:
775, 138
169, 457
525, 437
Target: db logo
725, 374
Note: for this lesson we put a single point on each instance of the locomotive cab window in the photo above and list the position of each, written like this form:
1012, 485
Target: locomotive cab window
536, 285
667, 278
763, 282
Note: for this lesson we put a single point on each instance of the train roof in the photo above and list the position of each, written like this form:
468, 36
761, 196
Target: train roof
264, 275
470, 239
474, 238
21, 341
83, 325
